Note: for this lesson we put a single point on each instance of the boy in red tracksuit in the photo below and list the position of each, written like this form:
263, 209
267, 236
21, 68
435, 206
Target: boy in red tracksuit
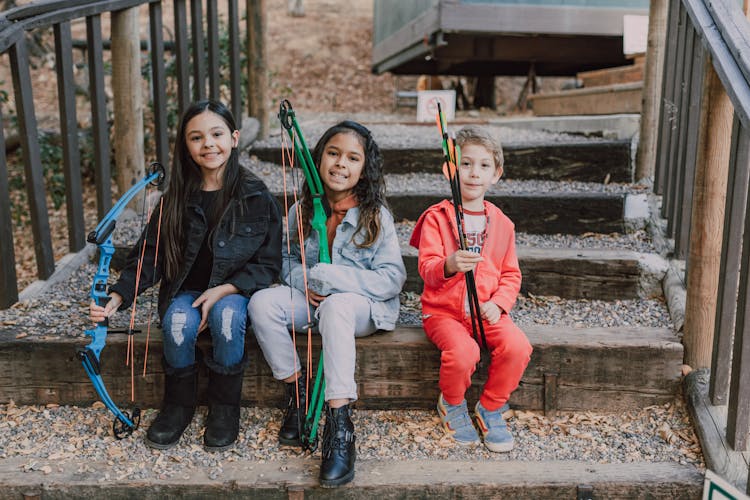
445, 307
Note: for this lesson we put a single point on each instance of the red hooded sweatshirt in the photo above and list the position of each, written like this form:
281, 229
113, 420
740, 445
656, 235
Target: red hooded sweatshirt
498, 277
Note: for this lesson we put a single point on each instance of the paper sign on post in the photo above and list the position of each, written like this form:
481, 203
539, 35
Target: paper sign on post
427, 104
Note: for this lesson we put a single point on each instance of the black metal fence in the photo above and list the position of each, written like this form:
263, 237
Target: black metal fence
196, 48
716, 33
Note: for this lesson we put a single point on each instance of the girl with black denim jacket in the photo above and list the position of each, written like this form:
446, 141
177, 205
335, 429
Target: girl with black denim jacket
220, 242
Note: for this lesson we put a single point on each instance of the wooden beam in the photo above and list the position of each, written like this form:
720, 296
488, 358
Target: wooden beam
652, 87
618, 98
257, 91
128, 99
706, 226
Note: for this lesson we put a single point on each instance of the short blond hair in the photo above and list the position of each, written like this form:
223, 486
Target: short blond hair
472, 134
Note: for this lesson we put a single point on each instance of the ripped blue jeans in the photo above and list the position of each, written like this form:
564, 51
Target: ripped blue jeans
226, 320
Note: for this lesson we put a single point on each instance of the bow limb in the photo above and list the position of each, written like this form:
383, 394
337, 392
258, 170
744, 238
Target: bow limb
309, 432
90, 355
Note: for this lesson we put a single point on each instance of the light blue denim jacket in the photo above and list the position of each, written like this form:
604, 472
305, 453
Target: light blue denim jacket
377, 272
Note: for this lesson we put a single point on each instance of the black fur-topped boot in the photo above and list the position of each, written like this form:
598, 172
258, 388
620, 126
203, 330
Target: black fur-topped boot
224, 395
177, 409
294, 415
339, 451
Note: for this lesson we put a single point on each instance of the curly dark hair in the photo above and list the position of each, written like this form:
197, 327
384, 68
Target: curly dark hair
370, 190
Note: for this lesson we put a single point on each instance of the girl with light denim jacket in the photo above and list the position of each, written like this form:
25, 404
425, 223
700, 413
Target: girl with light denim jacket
353, 296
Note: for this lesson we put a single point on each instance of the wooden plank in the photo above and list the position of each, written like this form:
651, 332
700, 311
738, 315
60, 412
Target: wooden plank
619, 98
159, 83
212, 22
729, 267
296, 477
69, 133
610, 76
653, 91
568, 213
689, 119
666, 106
709, 422
569, 273
8, 283
199, 54
235, 75
673, 167
28, 130
585, 161
610, 368
99, 122
182, 56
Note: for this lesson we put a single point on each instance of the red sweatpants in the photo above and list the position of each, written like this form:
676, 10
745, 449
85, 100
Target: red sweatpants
510, 353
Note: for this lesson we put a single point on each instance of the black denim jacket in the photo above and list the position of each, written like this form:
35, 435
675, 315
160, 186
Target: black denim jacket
246, 248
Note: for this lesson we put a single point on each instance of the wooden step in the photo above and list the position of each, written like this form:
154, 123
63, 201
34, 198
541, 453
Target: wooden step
601, 274
585, 160
297, 478
632, 73
571, 369
608, 99
540, 213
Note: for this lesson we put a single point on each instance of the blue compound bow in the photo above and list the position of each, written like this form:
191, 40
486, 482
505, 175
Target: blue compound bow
124, 423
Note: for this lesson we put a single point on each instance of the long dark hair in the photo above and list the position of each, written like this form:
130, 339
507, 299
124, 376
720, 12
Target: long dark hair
370, 190
185, 181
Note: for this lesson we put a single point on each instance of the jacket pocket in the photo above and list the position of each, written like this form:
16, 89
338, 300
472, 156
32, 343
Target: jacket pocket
360, 257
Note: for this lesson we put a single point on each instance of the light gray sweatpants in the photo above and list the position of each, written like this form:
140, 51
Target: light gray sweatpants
341, 317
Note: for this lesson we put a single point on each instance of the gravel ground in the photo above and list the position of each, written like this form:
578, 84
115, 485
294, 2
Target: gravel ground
425, 183
53, 436
416, 135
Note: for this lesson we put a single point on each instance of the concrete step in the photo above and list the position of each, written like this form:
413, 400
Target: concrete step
582, 160
385, 479
571, 369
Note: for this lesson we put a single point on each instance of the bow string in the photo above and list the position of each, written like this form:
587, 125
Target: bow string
90, 355
287, 117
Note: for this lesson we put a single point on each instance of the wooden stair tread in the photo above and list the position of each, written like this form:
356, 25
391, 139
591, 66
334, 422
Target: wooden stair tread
586, 368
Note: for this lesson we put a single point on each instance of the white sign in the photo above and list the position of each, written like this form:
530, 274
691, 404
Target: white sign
634, 34
716, 488
427, 104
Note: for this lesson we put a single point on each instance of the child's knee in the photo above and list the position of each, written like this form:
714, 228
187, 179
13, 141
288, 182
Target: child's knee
180, 326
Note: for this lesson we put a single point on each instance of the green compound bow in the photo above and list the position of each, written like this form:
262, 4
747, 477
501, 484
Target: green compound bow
309, 431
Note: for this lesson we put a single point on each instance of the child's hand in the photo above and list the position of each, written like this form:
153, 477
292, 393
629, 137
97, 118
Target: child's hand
461, 261
97, 314
314, 298
207, 299
491, 312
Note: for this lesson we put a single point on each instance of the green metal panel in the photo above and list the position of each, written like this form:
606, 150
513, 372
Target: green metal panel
389, 16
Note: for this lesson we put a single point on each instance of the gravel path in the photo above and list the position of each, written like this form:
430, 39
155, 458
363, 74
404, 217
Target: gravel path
51, 437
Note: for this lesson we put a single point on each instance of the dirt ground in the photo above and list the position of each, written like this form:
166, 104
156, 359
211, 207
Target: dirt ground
321, 61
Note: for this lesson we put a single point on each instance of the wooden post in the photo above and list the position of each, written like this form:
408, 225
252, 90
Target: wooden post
128, 100
257, 71
706, 225
652, 83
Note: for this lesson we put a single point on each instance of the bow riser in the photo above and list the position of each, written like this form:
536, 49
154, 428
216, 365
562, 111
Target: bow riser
90, 355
